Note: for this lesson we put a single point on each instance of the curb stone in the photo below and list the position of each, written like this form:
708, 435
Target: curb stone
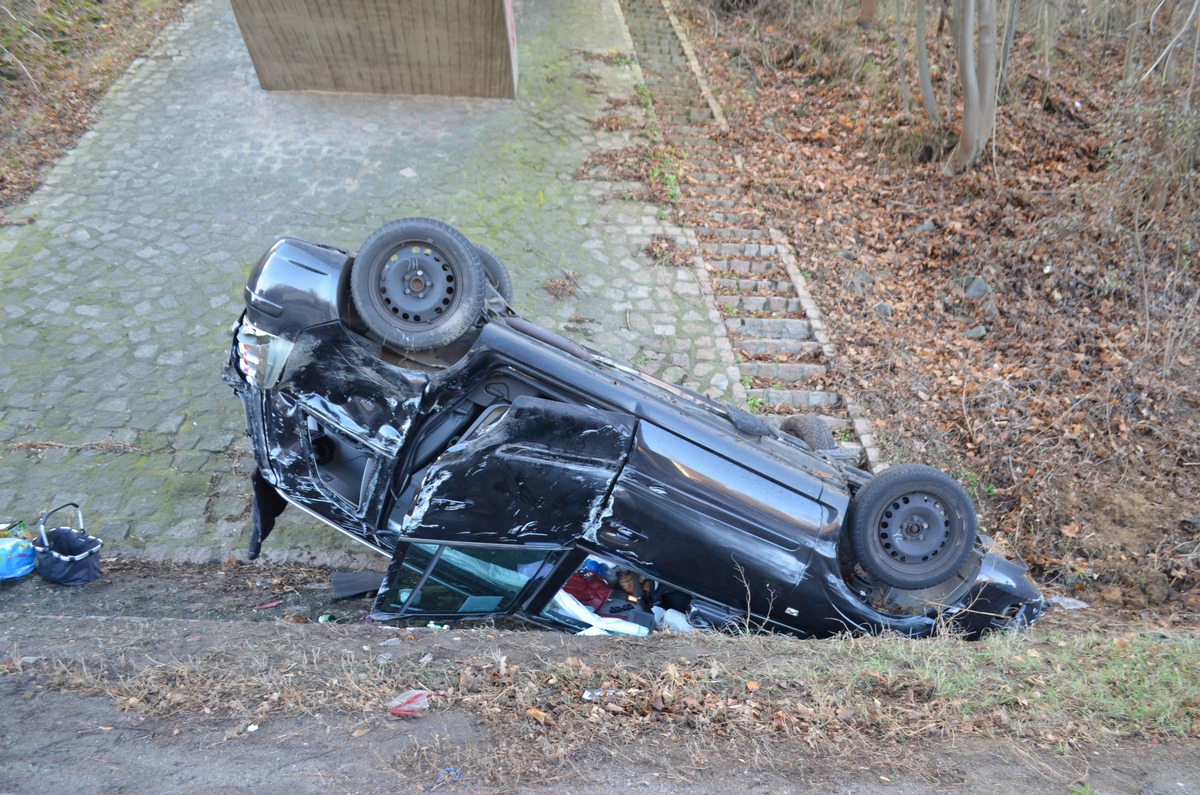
750, 259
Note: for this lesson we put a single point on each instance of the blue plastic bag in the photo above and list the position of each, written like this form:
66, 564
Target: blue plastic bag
594, 566
16, 558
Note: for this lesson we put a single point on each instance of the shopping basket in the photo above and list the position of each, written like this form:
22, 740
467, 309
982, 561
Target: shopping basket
67, 555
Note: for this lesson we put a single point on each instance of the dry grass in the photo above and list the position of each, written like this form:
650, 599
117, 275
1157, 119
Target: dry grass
557, 698
111, 446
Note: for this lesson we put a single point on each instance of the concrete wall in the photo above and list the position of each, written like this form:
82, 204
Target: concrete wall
446, 47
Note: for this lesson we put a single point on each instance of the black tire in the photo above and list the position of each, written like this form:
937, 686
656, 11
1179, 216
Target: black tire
417, 284
912, 526
496, 272
810, 429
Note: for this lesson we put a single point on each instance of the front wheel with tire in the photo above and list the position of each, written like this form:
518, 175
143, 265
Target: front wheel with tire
912, 526
418, 284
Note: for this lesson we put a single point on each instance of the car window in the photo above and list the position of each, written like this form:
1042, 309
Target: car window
443, 580
604, 596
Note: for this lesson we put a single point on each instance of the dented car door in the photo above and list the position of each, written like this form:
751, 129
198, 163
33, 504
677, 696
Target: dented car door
535, 471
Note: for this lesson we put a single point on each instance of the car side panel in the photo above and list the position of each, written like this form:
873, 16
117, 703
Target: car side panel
332, 387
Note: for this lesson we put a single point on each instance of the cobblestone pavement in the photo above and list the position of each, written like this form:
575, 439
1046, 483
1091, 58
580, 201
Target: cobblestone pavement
120, 293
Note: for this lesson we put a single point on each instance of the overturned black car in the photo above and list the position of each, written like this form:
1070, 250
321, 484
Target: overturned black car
507, 471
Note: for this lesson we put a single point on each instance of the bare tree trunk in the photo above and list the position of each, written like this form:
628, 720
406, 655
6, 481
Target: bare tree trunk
905, 105
1010, 33
951, 63
927, 96
1049, 36
866, 16
986, 66
977, 77
1132, 42
963, 28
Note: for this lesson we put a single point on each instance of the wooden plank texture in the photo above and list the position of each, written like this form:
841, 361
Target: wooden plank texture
447, 47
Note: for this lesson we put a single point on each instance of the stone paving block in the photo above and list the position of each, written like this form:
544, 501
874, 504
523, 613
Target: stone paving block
128, 279
110, 531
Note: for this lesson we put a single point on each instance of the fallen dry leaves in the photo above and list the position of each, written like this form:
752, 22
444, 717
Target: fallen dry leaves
58, 59
1030, 327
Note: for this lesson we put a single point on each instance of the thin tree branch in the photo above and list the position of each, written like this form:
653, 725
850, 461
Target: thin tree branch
903, 67
1167, 50
19, 63
1187, 105
926, 81
1010, 32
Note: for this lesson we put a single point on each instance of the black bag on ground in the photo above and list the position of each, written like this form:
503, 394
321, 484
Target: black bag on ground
66, 555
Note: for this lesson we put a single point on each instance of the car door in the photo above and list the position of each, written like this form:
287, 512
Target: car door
335, 427
713, 526
533, 472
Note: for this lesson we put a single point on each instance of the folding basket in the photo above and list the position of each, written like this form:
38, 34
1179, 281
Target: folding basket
67, 555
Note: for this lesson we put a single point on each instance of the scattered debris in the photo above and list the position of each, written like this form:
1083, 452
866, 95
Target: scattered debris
1067, 603
562, 288
411, 703
594, 695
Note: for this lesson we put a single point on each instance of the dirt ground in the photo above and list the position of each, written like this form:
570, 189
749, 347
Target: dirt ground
76, 721
102, 687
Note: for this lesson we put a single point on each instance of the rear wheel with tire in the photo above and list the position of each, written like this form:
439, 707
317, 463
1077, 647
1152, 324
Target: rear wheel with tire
810, 429
418, 284
497, 274
912, 526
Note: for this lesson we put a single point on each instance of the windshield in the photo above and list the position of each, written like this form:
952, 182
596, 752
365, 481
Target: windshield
442, 580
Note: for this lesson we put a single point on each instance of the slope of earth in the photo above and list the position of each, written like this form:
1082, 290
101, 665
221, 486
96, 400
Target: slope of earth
1029, 327
56, 59
201, 678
